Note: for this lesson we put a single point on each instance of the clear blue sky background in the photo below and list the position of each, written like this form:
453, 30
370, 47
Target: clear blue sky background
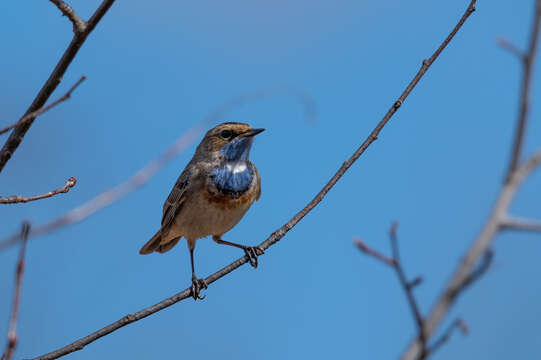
156, 67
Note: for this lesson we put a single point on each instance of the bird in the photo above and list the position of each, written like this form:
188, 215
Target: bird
211, 195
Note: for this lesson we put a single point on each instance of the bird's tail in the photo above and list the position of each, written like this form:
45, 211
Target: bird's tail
152, 245
155, 244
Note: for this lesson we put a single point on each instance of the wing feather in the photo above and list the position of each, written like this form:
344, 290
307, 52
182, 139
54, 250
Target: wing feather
175, 200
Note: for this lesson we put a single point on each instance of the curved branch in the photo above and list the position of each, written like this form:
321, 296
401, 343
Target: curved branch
20, 199
52, 82
282, 231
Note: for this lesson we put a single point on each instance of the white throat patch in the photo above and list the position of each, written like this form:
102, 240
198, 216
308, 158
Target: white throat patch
236, 167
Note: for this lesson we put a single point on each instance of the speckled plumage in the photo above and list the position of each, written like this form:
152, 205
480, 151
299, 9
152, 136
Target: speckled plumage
213, 192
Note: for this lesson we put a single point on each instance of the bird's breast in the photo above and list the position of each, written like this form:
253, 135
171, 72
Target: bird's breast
233, 185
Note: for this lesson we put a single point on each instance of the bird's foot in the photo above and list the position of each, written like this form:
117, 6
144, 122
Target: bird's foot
253, 252
197, 286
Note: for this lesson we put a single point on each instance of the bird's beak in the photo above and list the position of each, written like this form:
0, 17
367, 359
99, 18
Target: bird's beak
251, 132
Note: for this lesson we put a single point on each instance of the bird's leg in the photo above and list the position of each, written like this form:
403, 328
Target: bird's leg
251, 251
197, 284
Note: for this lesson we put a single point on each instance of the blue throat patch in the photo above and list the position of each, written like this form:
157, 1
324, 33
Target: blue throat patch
233, 178
238, 149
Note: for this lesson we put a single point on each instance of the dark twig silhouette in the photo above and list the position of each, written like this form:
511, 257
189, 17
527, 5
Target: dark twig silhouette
40, 111
408, 285
12, 332
528, 60
282, 231
52, 82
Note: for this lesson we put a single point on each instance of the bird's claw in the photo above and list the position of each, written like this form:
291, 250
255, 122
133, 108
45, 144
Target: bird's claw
197, 286
253, 252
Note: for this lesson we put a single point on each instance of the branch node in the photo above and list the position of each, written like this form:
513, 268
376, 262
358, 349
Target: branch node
79, 25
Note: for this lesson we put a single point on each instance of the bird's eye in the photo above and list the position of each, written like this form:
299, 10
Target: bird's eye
226, 134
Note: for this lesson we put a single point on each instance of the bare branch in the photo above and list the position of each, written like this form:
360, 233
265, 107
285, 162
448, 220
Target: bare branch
512, 48
415, 282
142, 176
458, 324
513, 223
462, 276
374, 253
52, 82
40, 111
406, 286
12, 332
79, 25
528, 61
20, 199
282, 231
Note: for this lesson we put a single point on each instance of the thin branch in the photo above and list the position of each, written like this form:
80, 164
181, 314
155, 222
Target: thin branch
40, 111
512, 48
481, 269
142, 176
16, 137
414, 307
12, 332
374, 253
79, 25
528, 61
20, 199
282, 231
458, 324
513, 223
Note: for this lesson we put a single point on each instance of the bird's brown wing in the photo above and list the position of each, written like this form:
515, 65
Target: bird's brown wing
171, 207
175, 200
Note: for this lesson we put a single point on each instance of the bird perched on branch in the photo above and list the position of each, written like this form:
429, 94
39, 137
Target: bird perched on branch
211, 195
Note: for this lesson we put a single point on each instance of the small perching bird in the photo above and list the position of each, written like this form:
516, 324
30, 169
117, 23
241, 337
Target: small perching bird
211, 195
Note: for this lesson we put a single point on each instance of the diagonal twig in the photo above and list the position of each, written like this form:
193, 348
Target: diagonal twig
12, 332
406, 285
79, 25
20, 199
282, 231
142, 176
414, 307
528, 60
17, 135
374, 253
40, 111
458, 324
512, 48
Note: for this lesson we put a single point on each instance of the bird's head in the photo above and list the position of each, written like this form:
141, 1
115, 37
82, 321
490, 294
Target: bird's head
230, 140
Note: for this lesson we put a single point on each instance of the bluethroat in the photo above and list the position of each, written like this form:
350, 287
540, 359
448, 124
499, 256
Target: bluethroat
211, 195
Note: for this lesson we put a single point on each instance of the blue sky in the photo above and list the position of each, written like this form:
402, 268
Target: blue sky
155, 68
